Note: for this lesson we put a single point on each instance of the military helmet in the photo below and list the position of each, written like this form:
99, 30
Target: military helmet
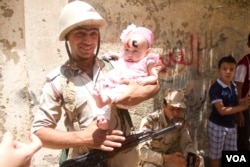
175, 98
76, 14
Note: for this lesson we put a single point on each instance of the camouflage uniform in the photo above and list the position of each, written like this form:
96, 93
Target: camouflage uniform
177, 140
79, 107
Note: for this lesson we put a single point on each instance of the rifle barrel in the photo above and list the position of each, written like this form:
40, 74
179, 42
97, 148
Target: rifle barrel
152, 134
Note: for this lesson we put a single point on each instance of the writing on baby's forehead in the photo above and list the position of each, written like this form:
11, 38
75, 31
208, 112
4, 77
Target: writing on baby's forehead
135, 41
132, 43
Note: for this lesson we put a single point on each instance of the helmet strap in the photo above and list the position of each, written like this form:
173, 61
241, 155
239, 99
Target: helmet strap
67, 49
69, 55
98, 44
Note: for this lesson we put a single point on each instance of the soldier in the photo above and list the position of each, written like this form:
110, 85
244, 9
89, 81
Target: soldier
70, 87
170, 149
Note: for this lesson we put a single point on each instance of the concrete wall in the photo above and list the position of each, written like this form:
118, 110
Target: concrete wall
192, 35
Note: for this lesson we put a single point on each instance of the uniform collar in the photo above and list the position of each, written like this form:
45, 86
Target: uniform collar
223, 84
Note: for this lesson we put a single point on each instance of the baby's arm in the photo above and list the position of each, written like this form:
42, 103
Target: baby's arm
111, 55
152, 76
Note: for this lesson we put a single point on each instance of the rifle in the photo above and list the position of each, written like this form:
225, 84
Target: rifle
94, 157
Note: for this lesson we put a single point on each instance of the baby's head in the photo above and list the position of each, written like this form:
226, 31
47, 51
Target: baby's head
137, 42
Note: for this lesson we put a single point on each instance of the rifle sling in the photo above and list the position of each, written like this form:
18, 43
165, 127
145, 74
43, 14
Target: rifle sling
124, 115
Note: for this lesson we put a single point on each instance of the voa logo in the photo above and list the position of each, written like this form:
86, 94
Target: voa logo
236, 158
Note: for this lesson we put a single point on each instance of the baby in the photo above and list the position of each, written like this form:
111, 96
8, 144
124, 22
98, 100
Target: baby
134, 63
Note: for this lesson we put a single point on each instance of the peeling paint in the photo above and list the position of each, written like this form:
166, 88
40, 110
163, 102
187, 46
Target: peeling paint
7, 45
7, 12
239, 3
21, 32
12, 56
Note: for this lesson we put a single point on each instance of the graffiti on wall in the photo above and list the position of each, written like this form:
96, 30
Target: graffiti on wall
201, 55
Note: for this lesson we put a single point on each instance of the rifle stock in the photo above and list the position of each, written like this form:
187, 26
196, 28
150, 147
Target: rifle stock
94, 157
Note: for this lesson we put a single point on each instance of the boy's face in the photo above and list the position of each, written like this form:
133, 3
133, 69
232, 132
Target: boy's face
135, 48
227, 72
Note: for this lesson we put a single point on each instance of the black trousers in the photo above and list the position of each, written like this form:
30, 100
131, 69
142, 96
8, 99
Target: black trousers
243, 136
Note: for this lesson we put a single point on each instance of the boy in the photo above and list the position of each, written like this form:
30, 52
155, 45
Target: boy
222, 132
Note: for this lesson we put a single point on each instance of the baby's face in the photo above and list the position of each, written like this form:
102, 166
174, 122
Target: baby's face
135, 48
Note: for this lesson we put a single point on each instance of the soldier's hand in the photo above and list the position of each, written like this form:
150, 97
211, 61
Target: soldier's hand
113, 139
177, 158
197, 161
102, 139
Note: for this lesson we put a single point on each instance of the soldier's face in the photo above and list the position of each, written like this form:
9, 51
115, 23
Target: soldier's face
172, 112
83, 42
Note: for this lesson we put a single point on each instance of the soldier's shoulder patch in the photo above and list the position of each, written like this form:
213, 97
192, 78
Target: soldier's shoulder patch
153, 117
146, 127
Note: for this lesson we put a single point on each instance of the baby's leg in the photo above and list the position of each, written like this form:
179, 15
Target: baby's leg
100, 98
102, 123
